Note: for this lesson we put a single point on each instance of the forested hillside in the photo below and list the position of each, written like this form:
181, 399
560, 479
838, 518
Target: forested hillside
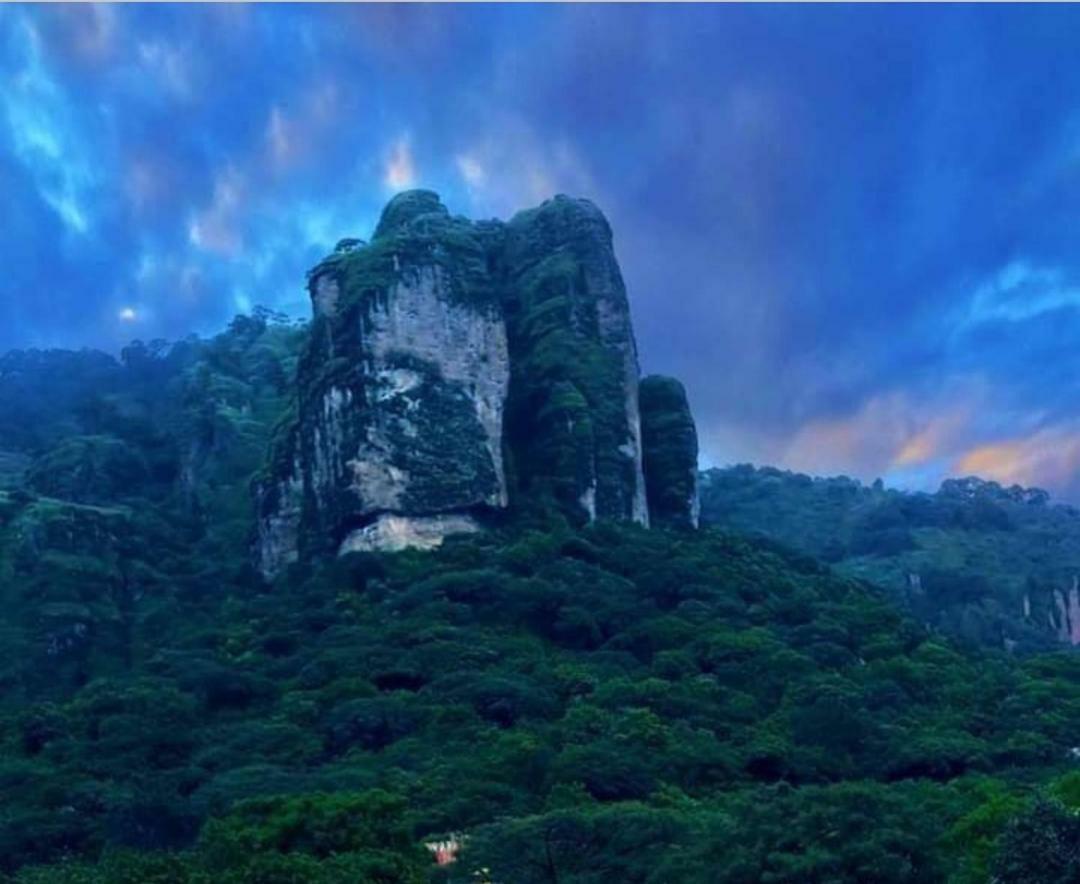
563, 704
993, 565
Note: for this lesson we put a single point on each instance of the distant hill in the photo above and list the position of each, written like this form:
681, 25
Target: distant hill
976, 560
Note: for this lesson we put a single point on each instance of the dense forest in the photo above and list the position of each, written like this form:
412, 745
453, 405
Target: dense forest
556, 703
983, 563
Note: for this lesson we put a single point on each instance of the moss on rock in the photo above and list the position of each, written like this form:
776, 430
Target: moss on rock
670, 450
572, 414
455, 367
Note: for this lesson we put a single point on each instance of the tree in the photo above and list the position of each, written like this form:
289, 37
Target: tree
1041, 846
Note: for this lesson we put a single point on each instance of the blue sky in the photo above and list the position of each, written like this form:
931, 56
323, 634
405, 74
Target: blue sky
854, 232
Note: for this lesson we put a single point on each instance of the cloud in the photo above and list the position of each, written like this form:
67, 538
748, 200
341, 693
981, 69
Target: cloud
1049, 458
916, 440
400, 171
280, 138
146, 183
88, 31
291, 136
1021, 291
169, 64
216, 228
911, 438
38, 117
472, 172
850, 232
933, 437
514, 165
864, 443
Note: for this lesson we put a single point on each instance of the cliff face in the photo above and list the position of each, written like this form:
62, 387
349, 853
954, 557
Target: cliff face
1066, 624
670, 449
453, 367
574, 423
398, 433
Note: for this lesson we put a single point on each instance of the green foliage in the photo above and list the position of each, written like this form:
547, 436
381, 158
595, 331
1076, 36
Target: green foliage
577, 704
1041, 846
88, 469
142, 467
566, 414
669, 452
980, 562
974, 836
325, 839
368, 827
581, 705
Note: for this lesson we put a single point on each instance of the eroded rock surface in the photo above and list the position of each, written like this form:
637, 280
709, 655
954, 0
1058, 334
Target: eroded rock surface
452, 368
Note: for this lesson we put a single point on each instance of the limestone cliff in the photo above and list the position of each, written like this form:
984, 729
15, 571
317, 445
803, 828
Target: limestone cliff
398, 433
1064, 618
573, 416
452, 368
670, 449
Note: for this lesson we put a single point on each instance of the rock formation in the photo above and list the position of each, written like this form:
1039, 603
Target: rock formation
454, 367
573, 413
670, 449
1066, 623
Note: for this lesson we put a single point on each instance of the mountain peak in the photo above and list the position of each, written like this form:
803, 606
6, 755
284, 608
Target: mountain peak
456, 368
407, 206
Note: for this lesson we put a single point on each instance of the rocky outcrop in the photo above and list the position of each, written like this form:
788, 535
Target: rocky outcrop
453, 368
401, 393
670, 450
1065, 619
573, 420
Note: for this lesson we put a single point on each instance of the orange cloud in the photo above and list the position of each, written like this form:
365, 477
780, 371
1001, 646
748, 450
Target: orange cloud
891, 433
1048, 457
937, 437
400, 170
861, 443
917, 449
1000, 461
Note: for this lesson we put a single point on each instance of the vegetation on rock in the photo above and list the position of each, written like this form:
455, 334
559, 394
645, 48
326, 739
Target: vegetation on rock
670, 453
453, 368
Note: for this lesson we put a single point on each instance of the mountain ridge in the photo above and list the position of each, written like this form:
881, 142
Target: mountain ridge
986, 563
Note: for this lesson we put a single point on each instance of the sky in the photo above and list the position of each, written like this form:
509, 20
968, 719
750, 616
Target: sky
852, 231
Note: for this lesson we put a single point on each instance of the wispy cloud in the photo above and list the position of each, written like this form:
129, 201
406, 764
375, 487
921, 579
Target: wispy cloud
1022, 291
217, 227
400, 171
829, 221
170, 65
1049, 458
38, 119
514, 165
